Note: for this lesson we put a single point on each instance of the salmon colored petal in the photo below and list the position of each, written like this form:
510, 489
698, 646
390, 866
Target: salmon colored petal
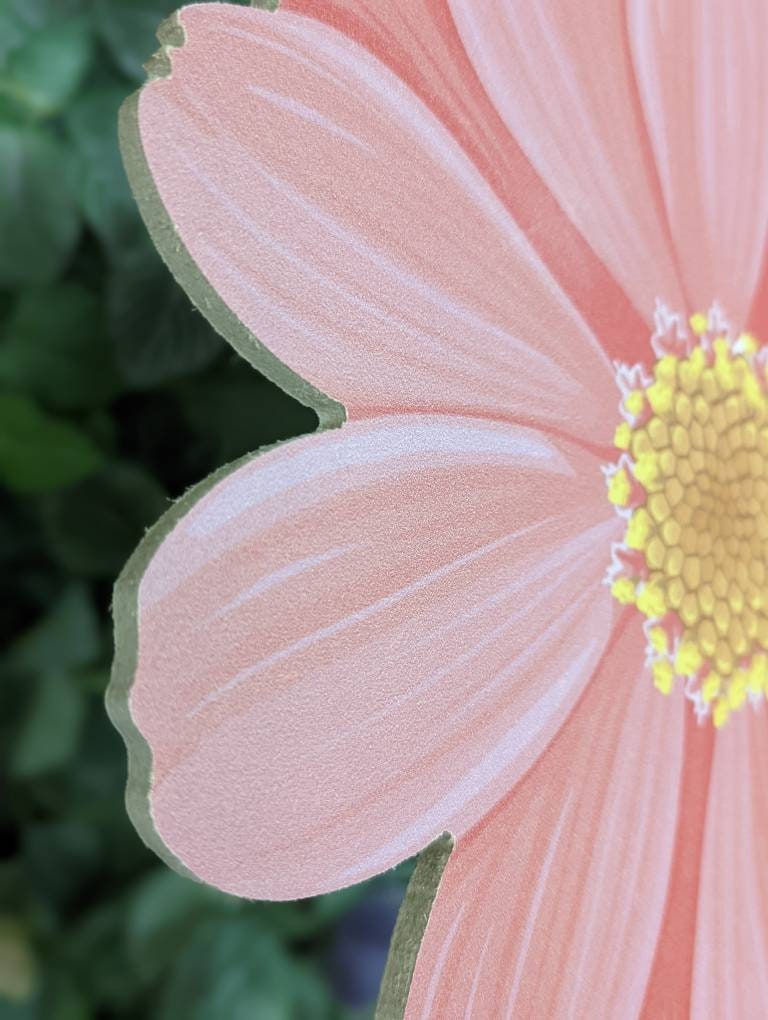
342, 223
419, 42
362, 638
702, 70
561, 76
552, 905
730, 974
668, 992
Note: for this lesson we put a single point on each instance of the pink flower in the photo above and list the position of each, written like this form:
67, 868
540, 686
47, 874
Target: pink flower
456, 219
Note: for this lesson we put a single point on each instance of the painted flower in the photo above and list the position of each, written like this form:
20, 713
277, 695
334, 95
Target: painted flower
519, 595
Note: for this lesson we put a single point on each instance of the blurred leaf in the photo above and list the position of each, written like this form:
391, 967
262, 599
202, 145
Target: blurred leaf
93, 680
60, 858
100, 185
50, 733
56, 998
67, 638
61, 999
39, 224
330, 907
18, 967
20, 18
158, 334
93, 527
163, 910
360, 945
45, 70
27, 1010
12, 31
95, 783
297, 920
96, 951
233, 968
55, 348
38, 452
240, 410
128, 28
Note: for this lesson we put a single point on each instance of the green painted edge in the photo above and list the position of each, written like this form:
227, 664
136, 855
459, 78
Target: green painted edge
330, 414
176, 256
410, 927
422, 889
125, 616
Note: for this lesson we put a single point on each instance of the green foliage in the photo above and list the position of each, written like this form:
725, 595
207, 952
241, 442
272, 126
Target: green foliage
55, 347
39, 222
91, 528
115, 396
40, 452
98, 182
157, 334
127, 28
43, 73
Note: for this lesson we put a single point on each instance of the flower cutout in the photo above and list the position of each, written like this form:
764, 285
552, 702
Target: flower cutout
514, 589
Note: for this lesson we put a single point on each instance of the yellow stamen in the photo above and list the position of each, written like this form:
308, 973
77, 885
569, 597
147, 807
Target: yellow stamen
619, 488
663, 675
623, 590
658, 638
699, 323
622, 436
721, 713
688, 659
647, 470
699, 519
634, 402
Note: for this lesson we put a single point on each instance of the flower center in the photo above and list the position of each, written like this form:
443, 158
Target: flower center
692, 484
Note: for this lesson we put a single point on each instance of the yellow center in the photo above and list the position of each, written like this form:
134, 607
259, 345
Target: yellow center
692, 485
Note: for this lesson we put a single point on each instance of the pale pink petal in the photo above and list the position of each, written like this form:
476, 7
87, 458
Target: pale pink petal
561, 76
668, 992
552, 905
730, 974
419, 42
343, 224
702, 70
362, 638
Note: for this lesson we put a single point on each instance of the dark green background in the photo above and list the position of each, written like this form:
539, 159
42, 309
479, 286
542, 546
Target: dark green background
115, 396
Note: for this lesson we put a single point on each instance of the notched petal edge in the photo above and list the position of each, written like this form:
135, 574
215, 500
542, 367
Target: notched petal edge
170, 35
174, 253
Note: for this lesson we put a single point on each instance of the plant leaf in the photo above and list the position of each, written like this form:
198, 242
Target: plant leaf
43, 73
93, 527
158, 334
39, 453
39, 224
49, 735
55, 348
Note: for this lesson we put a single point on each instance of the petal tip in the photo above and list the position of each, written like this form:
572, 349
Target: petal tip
171, 36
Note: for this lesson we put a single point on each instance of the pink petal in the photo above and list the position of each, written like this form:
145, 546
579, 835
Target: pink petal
702, 70
561, 76
342, 223
552, 905
362, 638
668, 992
730, 974
419, 42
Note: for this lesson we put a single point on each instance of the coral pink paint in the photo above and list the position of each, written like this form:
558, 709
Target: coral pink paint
452, 217
321, 614
568, 875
